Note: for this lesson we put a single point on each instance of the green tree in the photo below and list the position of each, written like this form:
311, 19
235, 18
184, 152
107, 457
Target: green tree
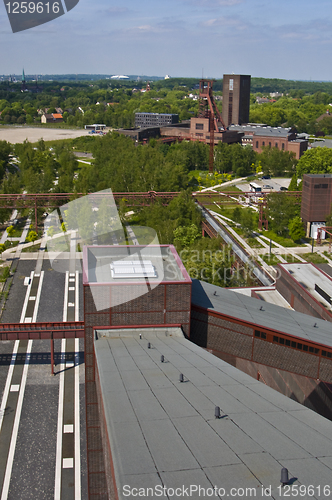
315, 161
10, 230
247, 221
293, 184
186, 235
296, 229
32, 236
277, 162
281, 209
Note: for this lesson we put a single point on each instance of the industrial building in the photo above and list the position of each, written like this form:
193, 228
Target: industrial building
155, 119
316, 201
147, 383
236, 99
259, 136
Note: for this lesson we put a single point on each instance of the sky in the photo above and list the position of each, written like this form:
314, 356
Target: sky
289, 39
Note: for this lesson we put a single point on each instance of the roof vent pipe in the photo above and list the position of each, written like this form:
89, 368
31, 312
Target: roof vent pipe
217, 412
284, 476
162, 358
181, 377
149, 345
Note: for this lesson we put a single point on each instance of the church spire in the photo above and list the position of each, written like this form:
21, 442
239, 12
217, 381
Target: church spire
23, 76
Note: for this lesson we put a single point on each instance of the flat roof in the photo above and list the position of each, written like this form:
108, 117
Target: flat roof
263, 130
99, 263
307, 275
266, 294
240, 307
164, 434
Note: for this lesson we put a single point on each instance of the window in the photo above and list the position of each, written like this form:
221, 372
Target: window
257, 144
231, 84
199, 134
199, 126
276, 145
263, 144
270, 144
283, 146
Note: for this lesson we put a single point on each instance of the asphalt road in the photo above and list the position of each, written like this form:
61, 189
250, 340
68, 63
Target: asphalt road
40, 408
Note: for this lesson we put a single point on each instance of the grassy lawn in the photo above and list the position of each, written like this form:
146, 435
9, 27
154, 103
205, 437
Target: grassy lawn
272, 260
253, 243
33, 248
315, 258
4, 273
285, 242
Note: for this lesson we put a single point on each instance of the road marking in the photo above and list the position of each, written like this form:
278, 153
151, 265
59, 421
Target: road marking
77, 422
8, 382
68, 429
77, 300
12, 447
65, 300
40, 284
14, 388
26, 300
58, 461
67, 463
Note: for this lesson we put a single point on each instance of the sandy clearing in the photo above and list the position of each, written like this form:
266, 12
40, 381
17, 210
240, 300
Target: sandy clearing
33, 134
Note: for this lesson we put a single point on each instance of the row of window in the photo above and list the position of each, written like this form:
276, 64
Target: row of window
292, 343
270, 145
321, 186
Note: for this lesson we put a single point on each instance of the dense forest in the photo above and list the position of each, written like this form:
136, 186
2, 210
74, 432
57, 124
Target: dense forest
114, 103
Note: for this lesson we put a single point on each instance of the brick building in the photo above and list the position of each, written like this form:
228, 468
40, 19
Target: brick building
259, 136
316, 199
236, 99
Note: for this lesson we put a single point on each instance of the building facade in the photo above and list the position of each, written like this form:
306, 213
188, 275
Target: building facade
316, 198
155, 119
236, 99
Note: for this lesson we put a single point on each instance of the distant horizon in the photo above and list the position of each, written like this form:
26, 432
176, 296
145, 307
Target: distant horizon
133, 77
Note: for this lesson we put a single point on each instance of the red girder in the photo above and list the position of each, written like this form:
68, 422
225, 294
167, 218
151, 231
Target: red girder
40, 331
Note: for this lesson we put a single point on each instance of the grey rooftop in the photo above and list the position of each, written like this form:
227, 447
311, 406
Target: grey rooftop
100, 261
163, 433
240, 307
308, 276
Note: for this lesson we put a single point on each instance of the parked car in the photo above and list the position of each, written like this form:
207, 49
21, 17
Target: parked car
266, 177
283, 188
267, 186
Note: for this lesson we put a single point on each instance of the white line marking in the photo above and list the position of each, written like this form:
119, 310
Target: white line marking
71, 288
12, 447
28, 320
68, 463
14, 388
77, 299
25, 304
69, 364
77, 445
32, 298
58, 459
8, 382
68, 428
65, 300
40, 284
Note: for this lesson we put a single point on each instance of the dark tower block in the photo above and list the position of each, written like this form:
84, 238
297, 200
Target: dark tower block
236, 99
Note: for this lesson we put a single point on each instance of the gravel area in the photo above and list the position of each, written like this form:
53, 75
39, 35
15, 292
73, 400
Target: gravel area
34, 134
